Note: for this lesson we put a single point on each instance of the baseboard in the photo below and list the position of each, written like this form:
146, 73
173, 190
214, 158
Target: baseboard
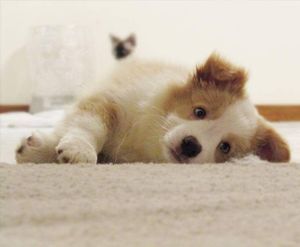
280, 112
270, 112
10, 108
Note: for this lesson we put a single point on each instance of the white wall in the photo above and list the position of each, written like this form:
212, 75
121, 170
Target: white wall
262, 36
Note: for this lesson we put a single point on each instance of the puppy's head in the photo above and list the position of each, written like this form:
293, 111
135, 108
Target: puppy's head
212, 119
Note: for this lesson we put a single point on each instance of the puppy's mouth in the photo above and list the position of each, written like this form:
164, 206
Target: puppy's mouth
176, 157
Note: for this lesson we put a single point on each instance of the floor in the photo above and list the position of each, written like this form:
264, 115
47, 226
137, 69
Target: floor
247, 203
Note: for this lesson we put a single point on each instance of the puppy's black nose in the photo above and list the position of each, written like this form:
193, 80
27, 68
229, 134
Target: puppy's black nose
190, 146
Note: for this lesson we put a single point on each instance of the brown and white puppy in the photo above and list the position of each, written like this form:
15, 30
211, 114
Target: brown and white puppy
155, 112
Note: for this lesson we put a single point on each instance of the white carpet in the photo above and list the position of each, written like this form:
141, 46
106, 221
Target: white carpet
249, 203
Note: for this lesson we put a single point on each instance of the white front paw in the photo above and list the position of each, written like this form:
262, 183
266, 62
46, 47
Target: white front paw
75, 150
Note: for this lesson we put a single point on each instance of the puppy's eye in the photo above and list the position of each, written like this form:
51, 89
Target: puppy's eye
199, 112
224, 147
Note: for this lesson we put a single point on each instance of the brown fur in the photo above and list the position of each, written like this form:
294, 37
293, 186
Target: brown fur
215, 85
239, 147
266, 143
269, 145
217, 73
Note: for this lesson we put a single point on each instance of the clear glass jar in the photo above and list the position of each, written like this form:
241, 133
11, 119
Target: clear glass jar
61, 63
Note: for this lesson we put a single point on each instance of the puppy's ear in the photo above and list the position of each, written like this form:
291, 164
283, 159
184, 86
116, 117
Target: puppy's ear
114, 39
269, 145
221, 74
131, 39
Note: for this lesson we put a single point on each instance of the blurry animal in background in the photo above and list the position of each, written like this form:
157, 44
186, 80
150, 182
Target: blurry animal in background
123, 47
158, 112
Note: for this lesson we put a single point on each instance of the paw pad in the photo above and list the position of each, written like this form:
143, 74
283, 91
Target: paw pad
74, 151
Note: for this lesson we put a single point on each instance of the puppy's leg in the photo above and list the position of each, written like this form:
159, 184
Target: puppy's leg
37, 148
83, 136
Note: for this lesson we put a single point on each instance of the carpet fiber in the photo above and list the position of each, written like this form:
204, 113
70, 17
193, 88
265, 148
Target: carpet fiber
233, 204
